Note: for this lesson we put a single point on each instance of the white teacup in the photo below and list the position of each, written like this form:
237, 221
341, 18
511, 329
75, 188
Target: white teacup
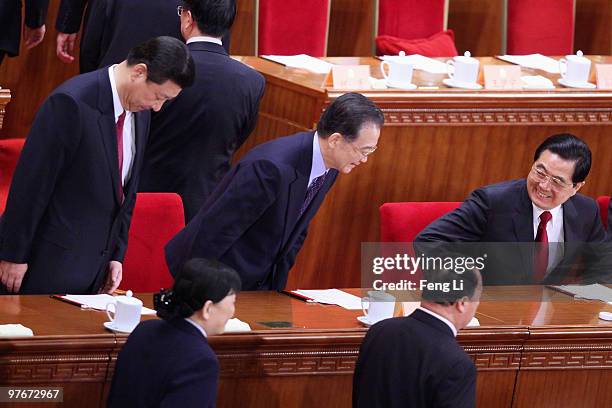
463, 69
126, 313
400, 72
378, 306
575, 68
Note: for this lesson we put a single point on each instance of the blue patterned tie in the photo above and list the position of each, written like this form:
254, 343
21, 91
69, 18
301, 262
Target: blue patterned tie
312, 191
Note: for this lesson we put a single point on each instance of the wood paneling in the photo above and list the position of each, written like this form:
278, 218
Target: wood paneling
351, 28
593, 27
243, 30
477, 25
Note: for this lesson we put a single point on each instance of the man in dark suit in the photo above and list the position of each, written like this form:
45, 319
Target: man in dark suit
70, 203
415, 361
543, 208
10, 25
194, 137
109, 29
257, 218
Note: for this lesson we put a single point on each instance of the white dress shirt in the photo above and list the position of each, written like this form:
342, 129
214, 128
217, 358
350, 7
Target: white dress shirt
554, 230
440, 317
129, 143
205, 38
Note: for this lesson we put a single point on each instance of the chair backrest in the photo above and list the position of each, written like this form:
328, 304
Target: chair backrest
410, 19
291, 27
402, 222
604, 202
10, 149
156, 219
543, 26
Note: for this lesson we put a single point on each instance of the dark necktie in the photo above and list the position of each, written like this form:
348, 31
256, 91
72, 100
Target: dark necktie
312, 191
540, 262
120, 122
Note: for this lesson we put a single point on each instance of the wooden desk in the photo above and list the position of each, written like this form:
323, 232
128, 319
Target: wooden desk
563, 360
436, 145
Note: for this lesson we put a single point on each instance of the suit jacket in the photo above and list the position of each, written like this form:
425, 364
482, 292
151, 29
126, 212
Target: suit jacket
415, 362
147, 375
10, 22
195, 135
503, 213
610, 221
251, 221
64, 214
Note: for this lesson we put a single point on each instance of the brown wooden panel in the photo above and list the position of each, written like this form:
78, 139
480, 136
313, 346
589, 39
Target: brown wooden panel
477, 25
593, 27
351, 28
243, 31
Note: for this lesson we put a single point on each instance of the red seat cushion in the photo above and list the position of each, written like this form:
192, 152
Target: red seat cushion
10, 149
402, 222
604, 202
410, 19
290, 27
156, 219
441, 44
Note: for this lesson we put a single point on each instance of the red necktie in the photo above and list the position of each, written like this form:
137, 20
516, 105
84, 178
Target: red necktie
120, 122
540, 262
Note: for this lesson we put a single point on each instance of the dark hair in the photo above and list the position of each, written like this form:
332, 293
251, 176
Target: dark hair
166, 58
200, 280
568, 147
213, 17
467, 283
347, 115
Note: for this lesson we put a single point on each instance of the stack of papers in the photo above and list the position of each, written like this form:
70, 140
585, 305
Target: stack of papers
302, 61
590, 292
98, 302
331, 297
15, 330
420, 62
537, 61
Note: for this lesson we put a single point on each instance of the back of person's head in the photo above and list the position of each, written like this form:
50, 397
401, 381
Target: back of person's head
213, 17
166, 58
199, 281
571, 148
347, 115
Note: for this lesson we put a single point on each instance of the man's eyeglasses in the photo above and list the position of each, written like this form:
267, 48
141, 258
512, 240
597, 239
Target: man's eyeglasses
556, 183
364, 152
179, 10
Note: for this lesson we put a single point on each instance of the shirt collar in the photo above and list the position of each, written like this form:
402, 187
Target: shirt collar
557, 214
205, 38
197, 326
116, 101
318, 164
440, 317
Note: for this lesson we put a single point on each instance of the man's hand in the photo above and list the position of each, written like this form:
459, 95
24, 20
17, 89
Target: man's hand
113, 277
11, 275
65, 47
33, 36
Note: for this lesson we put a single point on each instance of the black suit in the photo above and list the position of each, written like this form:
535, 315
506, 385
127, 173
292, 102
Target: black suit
10, 22
251, 221
503, 213
64, 215
195, 135
148, 375
414, 362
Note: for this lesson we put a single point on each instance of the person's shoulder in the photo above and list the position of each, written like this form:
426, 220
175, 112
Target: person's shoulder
80, 88
504, 188
584, 203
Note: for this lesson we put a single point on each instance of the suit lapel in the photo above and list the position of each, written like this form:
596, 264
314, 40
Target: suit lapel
523, 228
571, 222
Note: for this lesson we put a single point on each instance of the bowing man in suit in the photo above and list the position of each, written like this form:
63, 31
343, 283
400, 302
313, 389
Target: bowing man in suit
543, 208
194, 137
147, 375
257, 218
415, 361
70, 203
10, 25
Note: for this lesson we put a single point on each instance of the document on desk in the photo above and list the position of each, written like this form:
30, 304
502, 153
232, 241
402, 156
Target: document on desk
420, 62
97, 302
302, 61
590, 292
331, 297
537, 61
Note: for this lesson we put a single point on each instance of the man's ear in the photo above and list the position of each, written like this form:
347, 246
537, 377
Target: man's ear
207, 310
579, 186
138, 72
334, 140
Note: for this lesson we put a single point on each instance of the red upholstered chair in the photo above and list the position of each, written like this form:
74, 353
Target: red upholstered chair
291, 27
402, 222
543, 26
10, 149
604, 202
157, 218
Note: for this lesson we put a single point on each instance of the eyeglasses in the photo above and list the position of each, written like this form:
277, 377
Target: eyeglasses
364, 152
179, 10
556, 183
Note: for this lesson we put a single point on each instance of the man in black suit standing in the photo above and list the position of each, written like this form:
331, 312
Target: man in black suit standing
543, 208
71, 199
10, 25
415, 361
194, 137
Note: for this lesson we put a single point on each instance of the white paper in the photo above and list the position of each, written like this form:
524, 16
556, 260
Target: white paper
99, 302
591, 292
474, 322
537, 82
236, 326
537, 61
15, 330
302, 61
420, 62
332, 297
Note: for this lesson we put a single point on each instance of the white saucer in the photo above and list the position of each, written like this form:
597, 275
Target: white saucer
364, 320
583, 85
111, 327
465, 85
404, 86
